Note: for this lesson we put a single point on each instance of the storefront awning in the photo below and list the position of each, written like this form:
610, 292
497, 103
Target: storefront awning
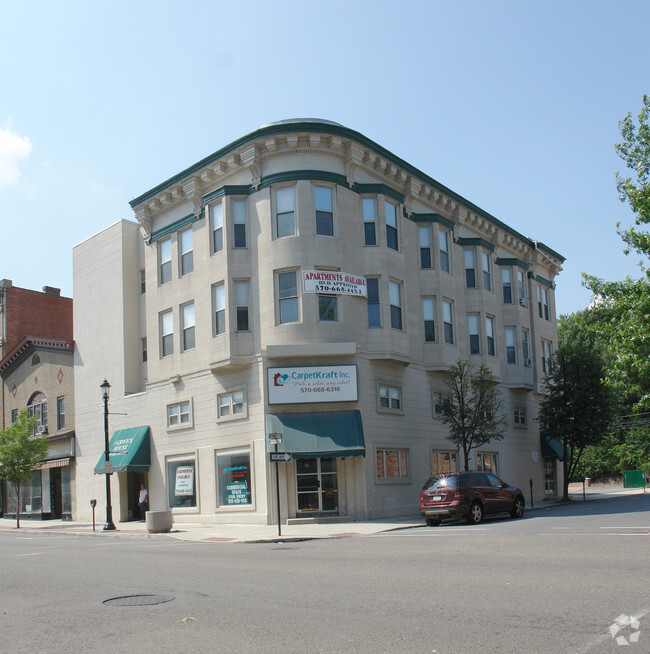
552, 448
129, 451
317, 435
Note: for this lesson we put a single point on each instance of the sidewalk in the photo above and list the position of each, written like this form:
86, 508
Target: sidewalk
248, 533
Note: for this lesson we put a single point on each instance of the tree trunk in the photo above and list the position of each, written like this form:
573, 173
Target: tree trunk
565, 473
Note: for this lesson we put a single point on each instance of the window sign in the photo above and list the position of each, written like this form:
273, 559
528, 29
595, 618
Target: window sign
181, 486
184, 481
318, 384
340, 283
234, 472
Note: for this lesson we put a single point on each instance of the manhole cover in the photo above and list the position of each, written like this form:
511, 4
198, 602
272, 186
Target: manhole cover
138, 600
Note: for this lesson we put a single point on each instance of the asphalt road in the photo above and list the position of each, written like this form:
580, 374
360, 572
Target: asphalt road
555, 581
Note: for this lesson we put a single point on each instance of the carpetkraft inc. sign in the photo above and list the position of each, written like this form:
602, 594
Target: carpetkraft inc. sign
338, 283
299, 385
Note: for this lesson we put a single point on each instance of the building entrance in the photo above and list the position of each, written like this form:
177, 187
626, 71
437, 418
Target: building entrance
133, 480
317, 485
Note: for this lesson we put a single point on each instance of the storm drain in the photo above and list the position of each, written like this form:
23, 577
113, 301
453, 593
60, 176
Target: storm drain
138, 600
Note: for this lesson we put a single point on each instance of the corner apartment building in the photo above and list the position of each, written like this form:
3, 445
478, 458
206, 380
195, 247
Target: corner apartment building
304, 282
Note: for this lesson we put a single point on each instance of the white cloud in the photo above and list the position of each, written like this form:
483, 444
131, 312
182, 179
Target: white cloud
13, 149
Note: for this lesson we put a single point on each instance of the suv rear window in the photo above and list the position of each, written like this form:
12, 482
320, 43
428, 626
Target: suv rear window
441, 482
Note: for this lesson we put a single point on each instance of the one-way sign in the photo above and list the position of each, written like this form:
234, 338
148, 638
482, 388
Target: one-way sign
280, 456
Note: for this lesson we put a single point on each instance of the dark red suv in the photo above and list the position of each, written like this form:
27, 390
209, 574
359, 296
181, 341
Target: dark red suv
469, 495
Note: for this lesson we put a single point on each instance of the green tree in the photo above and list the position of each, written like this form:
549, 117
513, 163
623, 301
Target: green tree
578, 407
21, 453
472, 409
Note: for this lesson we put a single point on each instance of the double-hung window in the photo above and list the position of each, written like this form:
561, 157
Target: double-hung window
60, 412
391, 226
525, 349
443, 246
219, 308
242, 305
369, 221
395, 296
186, 251
327, 308
231, 405
188, 336
390, 397
472, 327
324, 210
165, 260
448, 321
217, 226
519, 416
424, 234
487, 273
547, 353
143, 349
239, 222
542, 303
521, 287
374, 312
511, 349
428, 317
288, 296
489, 333
178, 414
284, 211
470, 269
166, 333
506, 283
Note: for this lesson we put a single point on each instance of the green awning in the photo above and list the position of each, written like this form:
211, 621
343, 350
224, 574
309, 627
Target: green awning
129, 451
317, 435
551, 447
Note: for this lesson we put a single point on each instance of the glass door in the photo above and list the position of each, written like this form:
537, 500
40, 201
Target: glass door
316, 485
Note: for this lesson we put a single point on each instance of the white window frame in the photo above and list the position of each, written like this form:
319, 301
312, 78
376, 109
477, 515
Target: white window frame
395, 300
285, 206
166, 322
216, 233
392, 396
232, 405
188, 329
487, 271
185, 253
375, 302
519, 418
179, 415
287, 300
239, 210
506, 285
448, 321
242, 303
403, 455
324, 210
489, 336
426, 252
219, 318
165, 260
392, 224
473, 330
487, 462
444, 250
429, 318
511, 345
369, 210
453, 461
469, 255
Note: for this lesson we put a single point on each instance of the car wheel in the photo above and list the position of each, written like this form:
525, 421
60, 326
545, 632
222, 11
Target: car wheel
433, 522
475, 514
518, 507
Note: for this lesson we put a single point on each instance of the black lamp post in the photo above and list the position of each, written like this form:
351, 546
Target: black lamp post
109, 526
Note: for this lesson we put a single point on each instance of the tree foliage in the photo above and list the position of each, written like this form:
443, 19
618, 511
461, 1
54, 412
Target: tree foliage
472, 409
21, 453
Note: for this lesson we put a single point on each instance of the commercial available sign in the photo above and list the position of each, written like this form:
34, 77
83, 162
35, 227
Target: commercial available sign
338, 283
301, 384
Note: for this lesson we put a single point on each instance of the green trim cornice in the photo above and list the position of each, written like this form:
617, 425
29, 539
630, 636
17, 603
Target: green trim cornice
431, 218
300, 175
241, 189
481, 242
512, 262
543, 281
378, 189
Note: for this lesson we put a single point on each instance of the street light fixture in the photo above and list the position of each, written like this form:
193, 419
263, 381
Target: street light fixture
109, 526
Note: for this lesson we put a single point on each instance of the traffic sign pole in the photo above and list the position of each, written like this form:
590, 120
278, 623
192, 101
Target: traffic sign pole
277, 438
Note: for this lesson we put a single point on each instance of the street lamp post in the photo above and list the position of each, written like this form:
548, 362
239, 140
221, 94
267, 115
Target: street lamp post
109, 526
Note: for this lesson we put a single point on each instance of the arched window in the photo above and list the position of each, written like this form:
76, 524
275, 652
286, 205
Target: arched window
36, 359
38, 407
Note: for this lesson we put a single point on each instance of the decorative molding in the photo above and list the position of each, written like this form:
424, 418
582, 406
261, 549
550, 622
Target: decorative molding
192, 190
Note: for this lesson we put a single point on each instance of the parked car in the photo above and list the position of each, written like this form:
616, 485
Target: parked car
468, 495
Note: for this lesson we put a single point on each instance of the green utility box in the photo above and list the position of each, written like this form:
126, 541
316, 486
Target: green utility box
633, 479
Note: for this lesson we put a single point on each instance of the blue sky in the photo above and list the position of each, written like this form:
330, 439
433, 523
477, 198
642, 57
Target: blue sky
513, 105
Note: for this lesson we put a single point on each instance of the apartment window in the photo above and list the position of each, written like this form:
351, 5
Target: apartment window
443, 244
187, 254
391, 226
392, 464
443, 462
542, 303
178, 414
472, 327
470, 269
143, 282
239, 222
487, 273
547, 353
242, 306
14, 416
143, 349
506, 283
165, 260
390, 398
511, 350
519, 416
217, 227
327, 308
38, 407
369, 221
231, 405
284, 211
424, 234
166, 333
219, 308
288, 296
487, 462
60, 413
395, 296
324, 210
187, 316
181, 482
374, 313
448, 321
428, 316
439, 404
489, 332
525, 349
521, 287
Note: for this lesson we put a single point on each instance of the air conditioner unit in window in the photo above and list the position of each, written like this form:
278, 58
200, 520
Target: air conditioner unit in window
523, 302
41, 430
527, 362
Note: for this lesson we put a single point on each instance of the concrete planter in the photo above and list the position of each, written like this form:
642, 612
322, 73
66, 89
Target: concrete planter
159, 522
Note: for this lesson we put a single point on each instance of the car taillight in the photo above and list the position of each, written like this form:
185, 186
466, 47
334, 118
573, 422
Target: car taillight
421, 497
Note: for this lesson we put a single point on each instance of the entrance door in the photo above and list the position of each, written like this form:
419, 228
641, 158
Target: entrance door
133, 480
317, 485
56, 496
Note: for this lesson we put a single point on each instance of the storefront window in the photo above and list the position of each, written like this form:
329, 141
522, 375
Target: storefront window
181, 481
234, 479
30, 496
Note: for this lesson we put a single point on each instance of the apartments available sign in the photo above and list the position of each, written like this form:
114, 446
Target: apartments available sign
300, 385
339, 283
